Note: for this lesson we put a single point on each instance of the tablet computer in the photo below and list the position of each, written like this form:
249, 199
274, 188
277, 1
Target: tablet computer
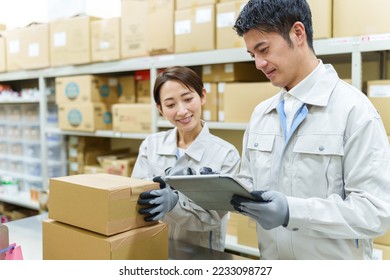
211, 192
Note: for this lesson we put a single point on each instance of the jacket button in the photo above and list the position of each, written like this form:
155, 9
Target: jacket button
256, 144
184, 203
321, 148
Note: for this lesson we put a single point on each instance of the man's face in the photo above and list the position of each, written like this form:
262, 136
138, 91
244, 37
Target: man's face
278, 60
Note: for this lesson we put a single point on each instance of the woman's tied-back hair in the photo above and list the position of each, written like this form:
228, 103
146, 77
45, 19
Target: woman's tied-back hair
184, 75
275, 16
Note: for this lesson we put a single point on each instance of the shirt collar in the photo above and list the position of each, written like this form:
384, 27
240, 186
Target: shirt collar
195, 150
315, 89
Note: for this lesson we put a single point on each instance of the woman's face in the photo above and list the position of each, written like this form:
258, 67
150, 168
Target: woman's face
180, 106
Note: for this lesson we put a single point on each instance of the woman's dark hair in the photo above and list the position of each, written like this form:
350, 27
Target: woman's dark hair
275, 16
181, 74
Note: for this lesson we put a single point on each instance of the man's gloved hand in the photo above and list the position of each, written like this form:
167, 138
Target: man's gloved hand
157, 202
268, 208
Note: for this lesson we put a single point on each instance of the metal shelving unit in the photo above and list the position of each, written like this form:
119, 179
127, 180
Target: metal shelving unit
353, 46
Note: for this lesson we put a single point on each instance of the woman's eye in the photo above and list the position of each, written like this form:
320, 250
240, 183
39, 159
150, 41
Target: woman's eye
188, 99
169, 105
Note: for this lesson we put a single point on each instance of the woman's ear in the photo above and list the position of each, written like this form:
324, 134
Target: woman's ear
203, 98
159, 109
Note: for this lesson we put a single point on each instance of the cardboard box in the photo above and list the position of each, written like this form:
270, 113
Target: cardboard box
86, 88
246, 233
378, 92
102, 203
3, 64
105, 36
321, 11
381, 252
70, 40
210, 108
187, 4
86, 141
134, 31
84, 116
232, 72
118, 165
35, 46
133, 118
126, 89
93, 169
240, 99
160, 18
226, 16
383, 240
65, 242
13, 49
195, 29
361, 20
232, 223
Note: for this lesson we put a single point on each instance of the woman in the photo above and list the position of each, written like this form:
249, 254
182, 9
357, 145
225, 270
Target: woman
179, 95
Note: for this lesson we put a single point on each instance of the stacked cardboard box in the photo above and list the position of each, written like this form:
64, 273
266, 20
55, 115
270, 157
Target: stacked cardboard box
382, 247
378, 92
84, 102
96, 216
83, 151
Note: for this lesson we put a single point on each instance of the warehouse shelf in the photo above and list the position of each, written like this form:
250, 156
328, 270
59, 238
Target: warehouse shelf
22, 199
98, 133
353, 46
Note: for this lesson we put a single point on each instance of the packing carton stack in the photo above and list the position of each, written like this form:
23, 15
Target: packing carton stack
95, 216
84, 102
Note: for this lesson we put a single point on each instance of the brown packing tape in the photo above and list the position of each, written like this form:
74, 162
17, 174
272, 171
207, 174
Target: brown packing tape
137, 235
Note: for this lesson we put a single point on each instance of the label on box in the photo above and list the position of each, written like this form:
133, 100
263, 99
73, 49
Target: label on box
33, 50
182, 27
221, 87
203, 15
104, 45
206, 69
379, 91
229, 68
59, 39
14, 46
206, 115
207, 87
225, 19
377, 254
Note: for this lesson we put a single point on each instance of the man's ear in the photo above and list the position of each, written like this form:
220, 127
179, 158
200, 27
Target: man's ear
298, 33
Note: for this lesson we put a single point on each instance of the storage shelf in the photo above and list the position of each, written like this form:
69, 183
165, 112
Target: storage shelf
353, 46
21, 199
98, 133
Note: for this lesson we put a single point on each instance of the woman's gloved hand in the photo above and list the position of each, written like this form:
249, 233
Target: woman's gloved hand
157, 202
268, 208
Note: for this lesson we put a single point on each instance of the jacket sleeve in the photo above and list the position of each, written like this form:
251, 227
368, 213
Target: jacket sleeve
192, 217
141, 168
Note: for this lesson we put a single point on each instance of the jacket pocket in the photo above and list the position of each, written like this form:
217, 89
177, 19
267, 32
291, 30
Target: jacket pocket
261, 153
317, 165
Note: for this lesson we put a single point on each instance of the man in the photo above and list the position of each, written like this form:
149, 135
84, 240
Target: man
316, 155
